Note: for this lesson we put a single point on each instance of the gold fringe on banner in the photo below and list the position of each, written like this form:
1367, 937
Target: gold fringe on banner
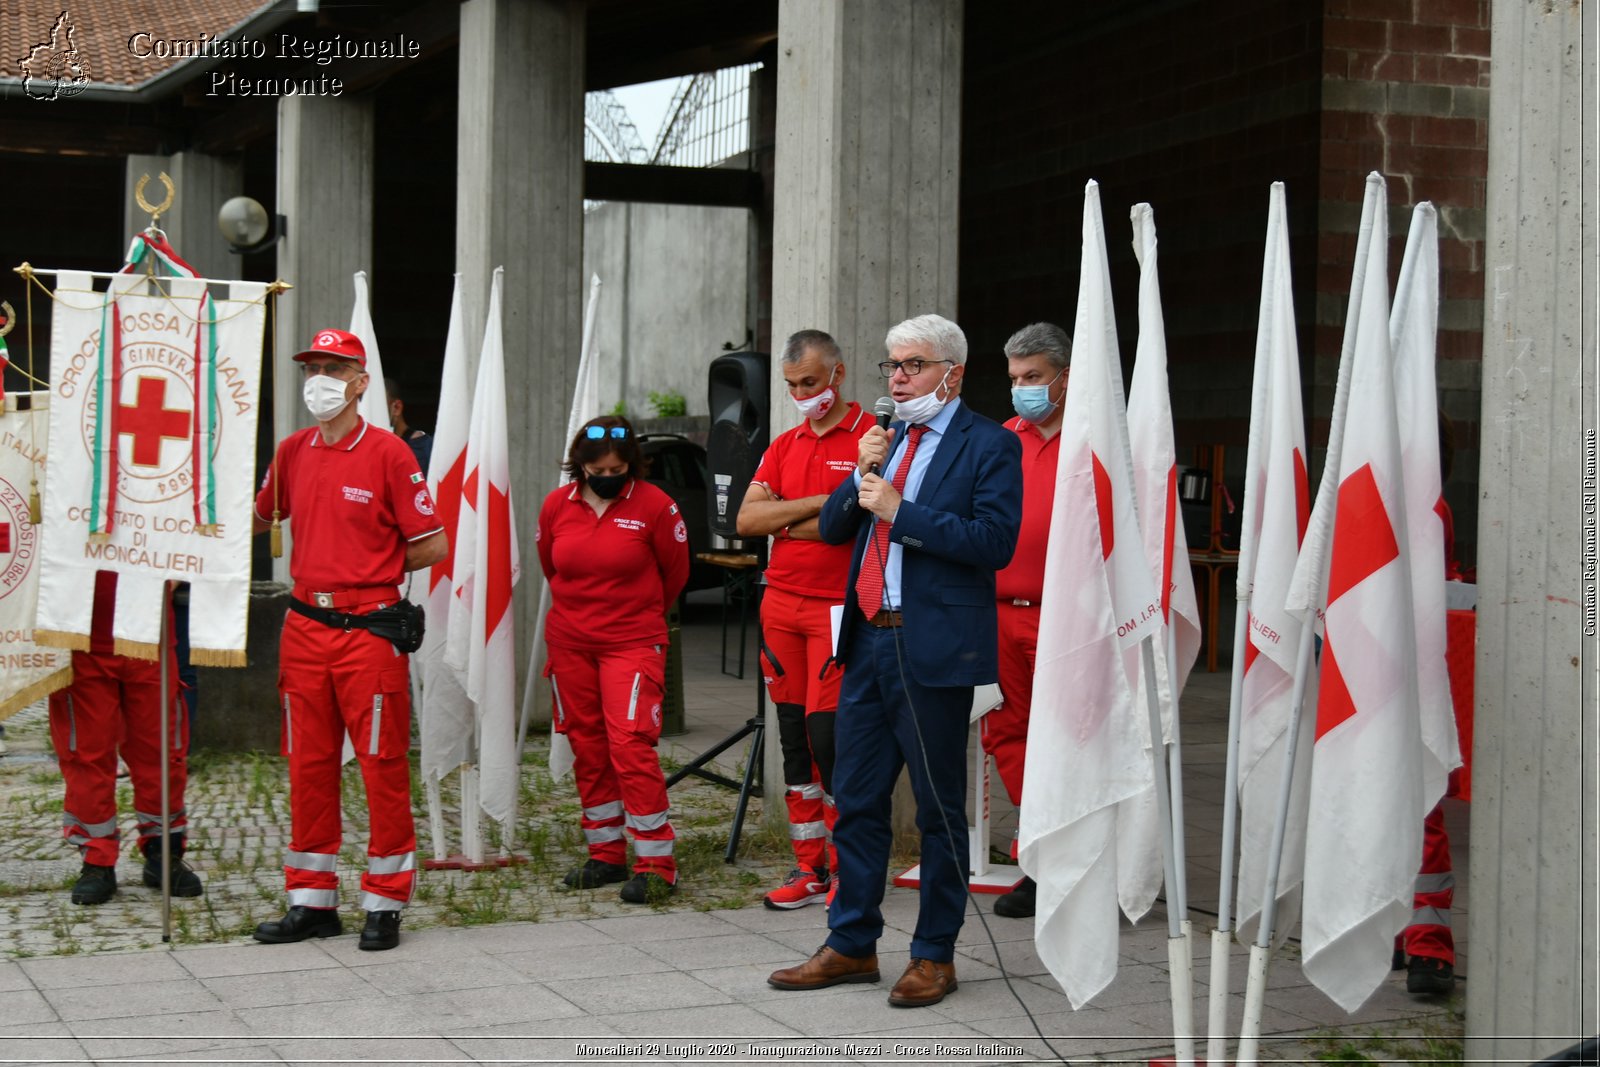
37, 691
218, 657
136, 649
61, 639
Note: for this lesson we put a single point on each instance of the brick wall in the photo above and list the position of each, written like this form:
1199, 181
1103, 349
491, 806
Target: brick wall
1198, 108
1406, 93
1194, 107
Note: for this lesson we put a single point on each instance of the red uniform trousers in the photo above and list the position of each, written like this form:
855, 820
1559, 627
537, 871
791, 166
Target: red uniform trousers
608, 703
1005, 729
1429, 933
330, 681
797, 632
114, 705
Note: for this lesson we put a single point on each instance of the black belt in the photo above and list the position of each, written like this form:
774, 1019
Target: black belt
400, 623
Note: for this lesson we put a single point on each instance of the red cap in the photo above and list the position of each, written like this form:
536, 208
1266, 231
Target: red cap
340, 344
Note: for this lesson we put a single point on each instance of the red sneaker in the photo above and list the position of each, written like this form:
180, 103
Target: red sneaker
802, 887
833, 891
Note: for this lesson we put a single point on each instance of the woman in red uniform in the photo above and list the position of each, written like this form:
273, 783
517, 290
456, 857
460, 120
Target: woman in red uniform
616, 553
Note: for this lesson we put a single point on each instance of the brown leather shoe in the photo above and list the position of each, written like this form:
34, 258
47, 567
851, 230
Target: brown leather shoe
825, 968
925, 982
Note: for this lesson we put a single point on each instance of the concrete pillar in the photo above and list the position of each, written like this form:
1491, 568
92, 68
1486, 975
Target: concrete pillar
202, 183
1533, 871
519, 204
868, 160
325, 191
865, 202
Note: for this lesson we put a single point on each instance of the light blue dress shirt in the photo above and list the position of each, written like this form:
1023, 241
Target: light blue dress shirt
926, 447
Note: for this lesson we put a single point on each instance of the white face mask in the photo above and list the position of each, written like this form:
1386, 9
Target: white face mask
921, 409
324, 397
818, 406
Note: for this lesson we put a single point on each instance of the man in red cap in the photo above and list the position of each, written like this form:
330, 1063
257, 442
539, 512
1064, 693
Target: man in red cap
362, 519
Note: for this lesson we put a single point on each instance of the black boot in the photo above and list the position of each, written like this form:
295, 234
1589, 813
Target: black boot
594, 874
646, 887
300, 923
95, 884
185, 883
381, 932
1019, 903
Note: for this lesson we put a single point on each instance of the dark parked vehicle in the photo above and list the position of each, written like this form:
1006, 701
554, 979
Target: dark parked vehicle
678, 468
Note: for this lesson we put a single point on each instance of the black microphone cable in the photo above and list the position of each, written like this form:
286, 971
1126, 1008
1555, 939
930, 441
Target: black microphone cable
944, 818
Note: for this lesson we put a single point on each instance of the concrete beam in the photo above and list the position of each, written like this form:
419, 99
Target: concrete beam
519, 204
325, 191
866, 209
1534, 853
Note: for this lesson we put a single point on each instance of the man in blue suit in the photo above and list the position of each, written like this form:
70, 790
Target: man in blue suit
934, 509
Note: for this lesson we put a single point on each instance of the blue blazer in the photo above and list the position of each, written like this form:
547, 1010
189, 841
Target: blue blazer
953, 538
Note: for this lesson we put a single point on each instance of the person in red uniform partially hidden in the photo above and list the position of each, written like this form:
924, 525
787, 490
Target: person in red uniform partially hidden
113, 707
616, 553
1036, 360
361, 519
805, 583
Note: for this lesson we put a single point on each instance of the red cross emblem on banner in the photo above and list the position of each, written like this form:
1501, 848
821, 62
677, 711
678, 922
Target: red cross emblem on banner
149, 421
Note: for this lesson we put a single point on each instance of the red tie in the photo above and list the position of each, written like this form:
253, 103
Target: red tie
869, 582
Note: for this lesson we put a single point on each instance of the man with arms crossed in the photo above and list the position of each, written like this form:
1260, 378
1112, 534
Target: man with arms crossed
805, 581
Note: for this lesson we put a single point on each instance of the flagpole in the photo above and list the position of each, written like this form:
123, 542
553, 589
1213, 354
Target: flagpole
1256, 987
585, 351
1180, 851
166, 760
1177, 963
1222, 936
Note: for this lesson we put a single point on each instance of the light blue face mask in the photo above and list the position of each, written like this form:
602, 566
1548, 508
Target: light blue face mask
1032, 402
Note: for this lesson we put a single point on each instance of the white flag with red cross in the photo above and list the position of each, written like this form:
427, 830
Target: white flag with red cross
1086, 750
374, 403
1413, 333
486, 567
1364, 827
1277, 504
445, 718
1166, 549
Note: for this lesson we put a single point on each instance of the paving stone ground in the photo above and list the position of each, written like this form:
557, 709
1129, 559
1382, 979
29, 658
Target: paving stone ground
499, 966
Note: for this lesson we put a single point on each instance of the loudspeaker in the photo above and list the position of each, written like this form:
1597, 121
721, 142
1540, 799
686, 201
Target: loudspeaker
739, 425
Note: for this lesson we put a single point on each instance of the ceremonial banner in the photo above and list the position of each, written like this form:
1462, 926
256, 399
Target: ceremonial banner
27, 671
1087, 751
155, 387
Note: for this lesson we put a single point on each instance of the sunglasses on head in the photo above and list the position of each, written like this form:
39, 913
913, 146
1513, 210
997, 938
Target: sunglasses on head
595, 433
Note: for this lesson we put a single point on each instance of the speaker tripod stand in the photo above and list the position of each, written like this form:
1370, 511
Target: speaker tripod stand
750, 785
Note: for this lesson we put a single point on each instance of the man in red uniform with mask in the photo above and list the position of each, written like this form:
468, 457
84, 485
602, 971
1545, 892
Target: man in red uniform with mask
113, 707
805, 582
361, 518
1036, 360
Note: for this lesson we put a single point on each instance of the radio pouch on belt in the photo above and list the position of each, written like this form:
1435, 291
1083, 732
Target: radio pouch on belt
400, 623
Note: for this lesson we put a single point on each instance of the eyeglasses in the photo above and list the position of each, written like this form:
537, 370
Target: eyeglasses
596, 433
336, 369
912, 367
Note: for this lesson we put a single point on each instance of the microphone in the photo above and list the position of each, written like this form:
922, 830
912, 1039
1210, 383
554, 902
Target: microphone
883, 411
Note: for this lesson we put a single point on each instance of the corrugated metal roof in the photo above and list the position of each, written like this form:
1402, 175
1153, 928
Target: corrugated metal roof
111, 43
